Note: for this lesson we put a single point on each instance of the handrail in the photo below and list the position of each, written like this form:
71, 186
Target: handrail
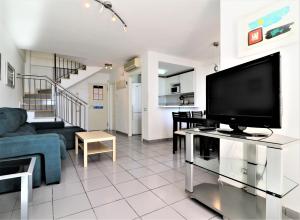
53, 83
66, 63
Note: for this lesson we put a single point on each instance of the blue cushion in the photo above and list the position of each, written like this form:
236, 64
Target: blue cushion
62, 143
11, 119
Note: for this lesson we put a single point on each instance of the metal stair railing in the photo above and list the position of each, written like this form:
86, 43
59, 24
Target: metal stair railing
44, 94
64, 67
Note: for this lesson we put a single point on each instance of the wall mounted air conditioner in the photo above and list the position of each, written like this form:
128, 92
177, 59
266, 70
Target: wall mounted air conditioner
132, 64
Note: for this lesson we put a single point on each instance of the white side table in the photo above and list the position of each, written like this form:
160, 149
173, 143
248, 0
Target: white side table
23, 168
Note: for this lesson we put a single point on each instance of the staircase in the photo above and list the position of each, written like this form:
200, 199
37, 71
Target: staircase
47, 98
68, 72
41, 102
50, 98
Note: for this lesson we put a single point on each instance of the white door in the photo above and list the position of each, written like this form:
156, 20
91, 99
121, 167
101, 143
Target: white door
136, 108
98, 107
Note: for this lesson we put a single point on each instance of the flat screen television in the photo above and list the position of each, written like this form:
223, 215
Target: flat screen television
247, 95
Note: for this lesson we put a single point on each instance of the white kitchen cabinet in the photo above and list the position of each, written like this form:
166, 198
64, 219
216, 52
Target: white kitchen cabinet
170, 81
187, 82
162, 86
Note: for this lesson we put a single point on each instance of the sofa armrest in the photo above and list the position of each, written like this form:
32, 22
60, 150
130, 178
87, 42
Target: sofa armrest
47, 145
48, 125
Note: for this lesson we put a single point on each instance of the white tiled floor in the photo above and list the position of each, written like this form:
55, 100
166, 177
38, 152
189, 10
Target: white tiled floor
146, 182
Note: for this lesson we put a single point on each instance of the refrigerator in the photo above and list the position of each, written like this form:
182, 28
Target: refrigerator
136, 108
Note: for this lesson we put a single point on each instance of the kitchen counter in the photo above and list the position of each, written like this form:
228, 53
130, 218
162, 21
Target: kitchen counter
177, 106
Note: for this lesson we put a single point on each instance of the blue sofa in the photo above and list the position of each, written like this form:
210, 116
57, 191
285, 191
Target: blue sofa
46, 141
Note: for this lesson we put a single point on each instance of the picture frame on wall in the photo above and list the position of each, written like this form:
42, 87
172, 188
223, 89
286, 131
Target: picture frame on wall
269, 28
10, 75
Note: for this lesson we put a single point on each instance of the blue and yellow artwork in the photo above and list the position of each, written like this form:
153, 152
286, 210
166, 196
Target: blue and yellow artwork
262, 29
270, 19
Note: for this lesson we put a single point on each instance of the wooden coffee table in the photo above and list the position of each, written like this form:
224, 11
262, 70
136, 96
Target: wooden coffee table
92, 144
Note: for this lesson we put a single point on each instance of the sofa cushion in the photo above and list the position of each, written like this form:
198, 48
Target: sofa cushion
27, 128
11, 119
67, 132
63, 150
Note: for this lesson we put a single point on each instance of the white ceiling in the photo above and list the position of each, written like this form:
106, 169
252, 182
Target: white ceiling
172, 68
183, 28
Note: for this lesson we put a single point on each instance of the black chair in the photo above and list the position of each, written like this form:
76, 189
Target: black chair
184, 115
197, 114
180, 134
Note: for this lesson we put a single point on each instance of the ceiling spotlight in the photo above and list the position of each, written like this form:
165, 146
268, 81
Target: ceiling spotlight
114, 18
87, 3
101, 9
108, 66
106, 5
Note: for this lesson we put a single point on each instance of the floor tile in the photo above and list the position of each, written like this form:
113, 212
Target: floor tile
158, 168
69, 176
131, 165
164, 158
145, 203
164, 213
114, 168
116, 210
8, 201
174, 164
40, 195
192, 210
103, 196
5, 215
147, 162
153, 181
67, 189
131, 188
40, 211
141, 172
89, 173
172, 176
170, 194
95, 183
84, 215
121, 177
70, 205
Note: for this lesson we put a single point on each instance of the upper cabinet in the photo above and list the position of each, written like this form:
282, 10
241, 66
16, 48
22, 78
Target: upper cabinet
176, 85
187, 82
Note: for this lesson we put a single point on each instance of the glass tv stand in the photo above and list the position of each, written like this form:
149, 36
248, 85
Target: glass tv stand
258, 171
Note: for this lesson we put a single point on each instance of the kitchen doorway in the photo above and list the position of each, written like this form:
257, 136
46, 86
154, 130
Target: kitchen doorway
135, 105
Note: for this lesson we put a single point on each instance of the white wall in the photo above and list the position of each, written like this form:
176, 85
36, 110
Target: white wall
289, 75
81, 89
289, 59
122, 100
10, 97
157, 122
39, 64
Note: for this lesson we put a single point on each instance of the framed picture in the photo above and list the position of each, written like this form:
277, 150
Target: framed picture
97, 92
270, 28
10, 75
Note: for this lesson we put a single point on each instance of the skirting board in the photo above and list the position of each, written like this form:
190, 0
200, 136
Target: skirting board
122, 133
157, 140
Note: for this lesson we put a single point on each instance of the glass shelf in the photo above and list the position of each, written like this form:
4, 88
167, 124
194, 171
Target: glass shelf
236, 169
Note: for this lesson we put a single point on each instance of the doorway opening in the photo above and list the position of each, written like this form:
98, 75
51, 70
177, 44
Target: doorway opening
98, 107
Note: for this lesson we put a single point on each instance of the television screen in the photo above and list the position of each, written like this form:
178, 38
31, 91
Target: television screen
246, 95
